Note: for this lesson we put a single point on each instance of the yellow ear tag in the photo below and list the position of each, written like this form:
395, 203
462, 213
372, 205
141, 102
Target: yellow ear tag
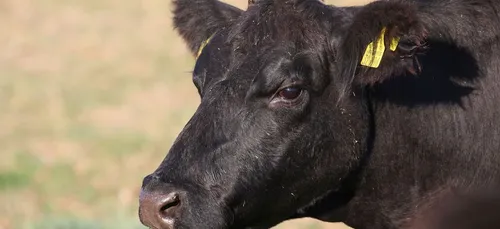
394, 43
375, 50
202, 45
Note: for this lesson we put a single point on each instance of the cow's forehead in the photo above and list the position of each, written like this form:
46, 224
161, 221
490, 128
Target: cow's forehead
275, 24
263, 36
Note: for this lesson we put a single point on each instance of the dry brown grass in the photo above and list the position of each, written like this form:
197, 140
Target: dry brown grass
92, 94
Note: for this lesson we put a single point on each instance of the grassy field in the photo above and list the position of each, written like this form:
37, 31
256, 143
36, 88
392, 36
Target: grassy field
92, 93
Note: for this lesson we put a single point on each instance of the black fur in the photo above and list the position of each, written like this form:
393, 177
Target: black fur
412, 144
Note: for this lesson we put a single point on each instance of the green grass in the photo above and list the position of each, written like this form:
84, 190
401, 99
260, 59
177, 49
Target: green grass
92, 95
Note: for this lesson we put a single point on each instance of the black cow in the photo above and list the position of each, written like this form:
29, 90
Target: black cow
380, 116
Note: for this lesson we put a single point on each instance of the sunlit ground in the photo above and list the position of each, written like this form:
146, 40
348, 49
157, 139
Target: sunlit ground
92, 93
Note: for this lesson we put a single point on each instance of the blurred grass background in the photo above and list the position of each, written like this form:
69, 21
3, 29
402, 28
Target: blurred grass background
92, 94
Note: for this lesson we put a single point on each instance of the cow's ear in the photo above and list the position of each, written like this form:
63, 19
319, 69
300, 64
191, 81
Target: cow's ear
198, 20
382, 41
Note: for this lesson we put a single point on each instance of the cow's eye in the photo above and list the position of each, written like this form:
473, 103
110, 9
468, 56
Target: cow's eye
290, 93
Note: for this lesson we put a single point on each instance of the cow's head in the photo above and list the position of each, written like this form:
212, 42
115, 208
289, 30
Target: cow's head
282, 126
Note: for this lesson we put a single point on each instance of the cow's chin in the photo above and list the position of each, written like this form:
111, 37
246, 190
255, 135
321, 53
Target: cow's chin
329, 207
224, 223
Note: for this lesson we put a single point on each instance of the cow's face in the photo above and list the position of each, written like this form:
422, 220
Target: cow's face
272, 136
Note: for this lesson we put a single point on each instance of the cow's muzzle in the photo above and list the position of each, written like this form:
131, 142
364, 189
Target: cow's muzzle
159, 209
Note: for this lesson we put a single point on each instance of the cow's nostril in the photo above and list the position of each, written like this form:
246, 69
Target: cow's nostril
168, 205
159, 210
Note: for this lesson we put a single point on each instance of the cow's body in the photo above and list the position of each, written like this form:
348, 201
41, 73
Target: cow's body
291, 125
